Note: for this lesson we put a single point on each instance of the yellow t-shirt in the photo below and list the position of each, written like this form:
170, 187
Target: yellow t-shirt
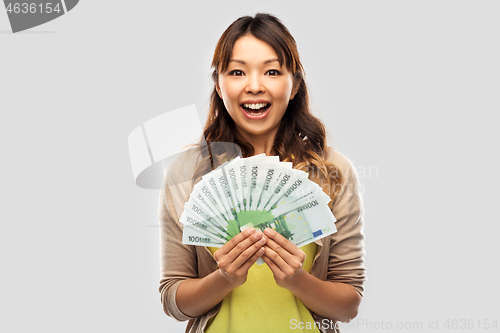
260, 305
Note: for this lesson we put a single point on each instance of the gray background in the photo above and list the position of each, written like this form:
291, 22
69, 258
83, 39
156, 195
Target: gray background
406, 88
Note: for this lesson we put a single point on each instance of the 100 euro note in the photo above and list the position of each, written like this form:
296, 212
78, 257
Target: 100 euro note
281, 195
200, 230
222, 192
302, 222
299, 227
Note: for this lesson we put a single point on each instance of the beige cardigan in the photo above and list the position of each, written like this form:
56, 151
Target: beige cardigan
339, 257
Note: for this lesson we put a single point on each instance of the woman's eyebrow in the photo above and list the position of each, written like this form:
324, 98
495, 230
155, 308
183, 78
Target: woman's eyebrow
244, 63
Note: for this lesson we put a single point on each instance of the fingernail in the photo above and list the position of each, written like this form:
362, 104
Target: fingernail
262, 241
268, 231
250, 231
258, 234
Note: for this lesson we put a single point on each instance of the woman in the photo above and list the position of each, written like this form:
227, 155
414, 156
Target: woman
260, 102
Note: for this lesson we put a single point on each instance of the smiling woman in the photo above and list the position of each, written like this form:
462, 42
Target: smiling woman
256, 90
260, 103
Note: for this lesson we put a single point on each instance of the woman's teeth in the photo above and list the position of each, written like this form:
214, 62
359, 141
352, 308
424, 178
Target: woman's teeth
255, 106
256, 109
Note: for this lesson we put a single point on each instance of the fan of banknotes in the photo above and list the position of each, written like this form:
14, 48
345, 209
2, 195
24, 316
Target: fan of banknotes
259, 192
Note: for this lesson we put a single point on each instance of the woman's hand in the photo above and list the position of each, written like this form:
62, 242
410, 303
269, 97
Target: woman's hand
197, 296
283, 258
237, 256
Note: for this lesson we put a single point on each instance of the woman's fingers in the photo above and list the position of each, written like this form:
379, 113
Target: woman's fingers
229, 251
283, 242
246, 266
248, 253
274, 268
244, 250
233, 242
239, 254
278, 254
283, 258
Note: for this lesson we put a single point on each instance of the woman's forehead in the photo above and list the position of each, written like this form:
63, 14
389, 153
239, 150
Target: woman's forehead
250, 42
249, 49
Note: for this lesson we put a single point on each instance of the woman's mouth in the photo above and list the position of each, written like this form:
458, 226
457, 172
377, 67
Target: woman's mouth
255, 110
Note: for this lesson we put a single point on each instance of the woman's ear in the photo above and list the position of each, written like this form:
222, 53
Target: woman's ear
295, 89
217, 88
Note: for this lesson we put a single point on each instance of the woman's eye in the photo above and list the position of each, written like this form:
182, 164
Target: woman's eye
236, 72
273, 72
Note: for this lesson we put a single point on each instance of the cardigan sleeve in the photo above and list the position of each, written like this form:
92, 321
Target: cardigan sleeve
178, 261
346, 263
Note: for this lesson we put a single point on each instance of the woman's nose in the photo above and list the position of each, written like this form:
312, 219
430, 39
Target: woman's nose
254, 85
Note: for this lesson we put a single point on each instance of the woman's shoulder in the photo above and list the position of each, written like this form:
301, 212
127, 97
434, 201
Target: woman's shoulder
179, 181
349, 181
333, 155
183, 166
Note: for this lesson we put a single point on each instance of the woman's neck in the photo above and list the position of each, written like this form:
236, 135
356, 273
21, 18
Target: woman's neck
260, 143
265, 148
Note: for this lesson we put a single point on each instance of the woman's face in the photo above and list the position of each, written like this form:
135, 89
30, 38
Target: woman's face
255, 88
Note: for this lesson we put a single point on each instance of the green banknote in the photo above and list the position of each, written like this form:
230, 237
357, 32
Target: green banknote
258, 192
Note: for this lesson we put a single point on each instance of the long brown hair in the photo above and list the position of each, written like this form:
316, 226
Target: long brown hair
301, 137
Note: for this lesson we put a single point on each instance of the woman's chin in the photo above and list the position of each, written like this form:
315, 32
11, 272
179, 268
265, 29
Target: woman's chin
259, 132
